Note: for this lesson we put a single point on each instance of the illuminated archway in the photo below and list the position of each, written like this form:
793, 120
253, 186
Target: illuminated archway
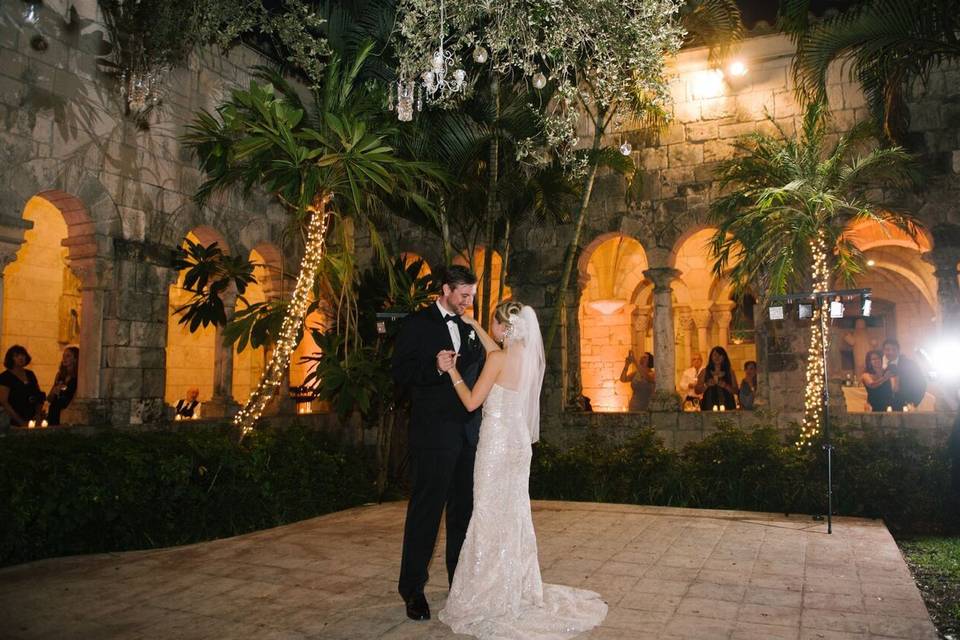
611, 270
190, 357
41, 293
249, 364
496, 269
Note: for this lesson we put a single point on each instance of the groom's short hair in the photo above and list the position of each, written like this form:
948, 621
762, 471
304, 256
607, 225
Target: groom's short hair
455, 275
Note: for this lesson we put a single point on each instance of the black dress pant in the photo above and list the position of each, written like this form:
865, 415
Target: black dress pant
439, 478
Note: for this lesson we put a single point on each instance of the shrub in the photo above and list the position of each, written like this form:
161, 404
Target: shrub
893, 476
113, 491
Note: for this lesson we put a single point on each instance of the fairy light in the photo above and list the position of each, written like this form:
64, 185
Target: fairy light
292, 322
813, 397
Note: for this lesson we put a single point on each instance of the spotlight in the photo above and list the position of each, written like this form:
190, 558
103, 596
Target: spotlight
867, 306
943, 358
836, 308
871, 263
737, 69
805, 310
776, 313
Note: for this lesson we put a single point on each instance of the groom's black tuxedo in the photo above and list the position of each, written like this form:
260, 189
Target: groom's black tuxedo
443, 441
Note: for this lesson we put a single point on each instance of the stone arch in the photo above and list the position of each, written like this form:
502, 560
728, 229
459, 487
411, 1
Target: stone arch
191, 357
613, 319
683, 239
271, 274
496, 267
86, 253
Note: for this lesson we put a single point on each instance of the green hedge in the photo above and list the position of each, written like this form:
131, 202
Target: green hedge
893, 476
65, 494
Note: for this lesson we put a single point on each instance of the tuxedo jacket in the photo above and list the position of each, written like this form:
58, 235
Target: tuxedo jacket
438, 420
913, 382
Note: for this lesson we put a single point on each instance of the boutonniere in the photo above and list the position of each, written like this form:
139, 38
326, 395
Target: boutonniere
473, 336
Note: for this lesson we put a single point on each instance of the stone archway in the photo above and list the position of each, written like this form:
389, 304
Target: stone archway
53, 287
612, 323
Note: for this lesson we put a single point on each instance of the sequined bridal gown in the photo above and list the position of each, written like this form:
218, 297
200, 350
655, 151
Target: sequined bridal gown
497, 593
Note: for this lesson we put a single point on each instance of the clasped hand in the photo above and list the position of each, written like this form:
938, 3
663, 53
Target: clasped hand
446, 360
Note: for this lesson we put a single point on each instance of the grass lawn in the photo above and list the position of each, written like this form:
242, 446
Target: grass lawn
935, 563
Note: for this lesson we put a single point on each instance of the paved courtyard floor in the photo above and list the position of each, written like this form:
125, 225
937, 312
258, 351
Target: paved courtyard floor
666, 573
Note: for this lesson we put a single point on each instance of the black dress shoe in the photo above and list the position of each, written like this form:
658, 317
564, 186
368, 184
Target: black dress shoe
417, 608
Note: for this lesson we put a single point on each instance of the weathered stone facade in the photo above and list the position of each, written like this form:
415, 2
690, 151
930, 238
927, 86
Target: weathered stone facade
709, 114
124, 191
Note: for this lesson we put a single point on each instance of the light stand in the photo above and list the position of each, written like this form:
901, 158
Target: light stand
820, 300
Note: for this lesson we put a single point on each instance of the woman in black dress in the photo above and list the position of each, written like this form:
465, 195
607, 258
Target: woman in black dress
64, 385
717, 382
878, 382
20, 395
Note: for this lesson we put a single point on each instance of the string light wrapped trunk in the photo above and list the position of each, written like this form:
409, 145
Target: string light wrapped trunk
276, 369
819, 337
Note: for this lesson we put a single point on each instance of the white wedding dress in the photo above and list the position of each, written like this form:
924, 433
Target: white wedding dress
497, 593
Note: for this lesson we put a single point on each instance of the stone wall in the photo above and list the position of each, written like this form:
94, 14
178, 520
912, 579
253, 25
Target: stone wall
709, 114
124, 191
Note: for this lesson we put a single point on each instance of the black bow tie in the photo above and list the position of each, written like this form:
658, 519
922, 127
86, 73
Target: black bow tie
452, 319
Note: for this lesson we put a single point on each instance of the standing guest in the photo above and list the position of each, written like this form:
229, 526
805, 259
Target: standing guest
688, 384
911, 383
717, 382
64, 385
879, 382
189, 407
20, 395
748, 386
641, 381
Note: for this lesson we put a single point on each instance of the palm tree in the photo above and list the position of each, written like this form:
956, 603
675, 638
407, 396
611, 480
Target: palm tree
790, 201
886, 44
329, 165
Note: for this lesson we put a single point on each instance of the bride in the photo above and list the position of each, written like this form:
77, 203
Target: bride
497, 592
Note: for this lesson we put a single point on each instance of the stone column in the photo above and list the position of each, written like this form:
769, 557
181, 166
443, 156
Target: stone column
685, 337
944, 261
12, 230
723, 316
663, 336
222, 403
641, 323
701, 318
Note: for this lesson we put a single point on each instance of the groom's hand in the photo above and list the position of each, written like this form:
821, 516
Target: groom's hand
445, 360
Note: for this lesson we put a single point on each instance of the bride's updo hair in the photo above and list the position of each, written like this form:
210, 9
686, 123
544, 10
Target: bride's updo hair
508, 314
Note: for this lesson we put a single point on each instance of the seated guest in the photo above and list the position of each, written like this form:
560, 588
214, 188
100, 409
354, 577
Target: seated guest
688, 384
20, 395
189, 407
878, 382
64, 385
717, 382
748, 387
641, 380
911, 383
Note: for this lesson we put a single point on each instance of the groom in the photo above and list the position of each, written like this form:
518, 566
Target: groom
443, 435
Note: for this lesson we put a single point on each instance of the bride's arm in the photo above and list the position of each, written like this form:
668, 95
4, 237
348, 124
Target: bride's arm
485, 338
473, 398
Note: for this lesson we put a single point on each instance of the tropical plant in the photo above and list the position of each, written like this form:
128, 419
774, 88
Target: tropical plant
330, 166
208, 274
790, 201
358, 380
885, 44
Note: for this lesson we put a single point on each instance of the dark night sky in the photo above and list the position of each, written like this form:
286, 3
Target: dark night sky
754, 10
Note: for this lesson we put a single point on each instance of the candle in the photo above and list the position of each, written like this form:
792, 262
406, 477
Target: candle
178, 417
43, 423
906, 408
723, 407
31, 424
715, 408
889, 409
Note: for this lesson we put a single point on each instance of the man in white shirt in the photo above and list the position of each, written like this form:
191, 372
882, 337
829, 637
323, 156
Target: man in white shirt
688, 382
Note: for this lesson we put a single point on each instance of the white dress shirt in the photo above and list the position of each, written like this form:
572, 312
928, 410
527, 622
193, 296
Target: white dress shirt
452, 327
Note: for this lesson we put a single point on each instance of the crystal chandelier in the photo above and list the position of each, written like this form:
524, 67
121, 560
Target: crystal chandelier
141, 89
438, 82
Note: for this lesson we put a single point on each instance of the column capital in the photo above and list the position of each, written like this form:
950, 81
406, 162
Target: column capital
723, 317
701, 318
662, 278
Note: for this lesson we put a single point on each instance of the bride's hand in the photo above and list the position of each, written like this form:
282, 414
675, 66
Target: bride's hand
470, 320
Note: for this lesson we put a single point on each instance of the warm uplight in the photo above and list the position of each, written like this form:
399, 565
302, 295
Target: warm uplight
607, 307
707, 84
304, 407
737, 69
871, 263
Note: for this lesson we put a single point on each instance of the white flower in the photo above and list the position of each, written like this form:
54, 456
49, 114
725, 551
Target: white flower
472, 336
